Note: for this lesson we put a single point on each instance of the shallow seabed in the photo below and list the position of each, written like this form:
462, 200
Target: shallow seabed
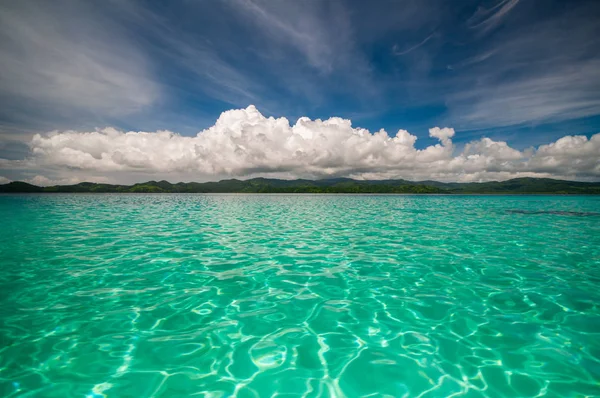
313, 296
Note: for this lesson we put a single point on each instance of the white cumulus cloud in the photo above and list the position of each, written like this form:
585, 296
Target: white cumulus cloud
245, 143
41, 180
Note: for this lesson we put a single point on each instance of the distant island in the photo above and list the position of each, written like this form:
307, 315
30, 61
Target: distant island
334, 185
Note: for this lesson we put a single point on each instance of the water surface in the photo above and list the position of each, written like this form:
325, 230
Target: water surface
299, 295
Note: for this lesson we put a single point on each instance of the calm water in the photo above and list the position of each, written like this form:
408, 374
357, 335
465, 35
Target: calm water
314, 296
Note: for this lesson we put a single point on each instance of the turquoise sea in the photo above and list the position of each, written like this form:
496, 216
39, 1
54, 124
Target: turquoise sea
299, 296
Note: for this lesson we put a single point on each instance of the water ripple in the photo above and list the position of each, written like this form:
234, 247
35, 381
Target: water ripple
311, 296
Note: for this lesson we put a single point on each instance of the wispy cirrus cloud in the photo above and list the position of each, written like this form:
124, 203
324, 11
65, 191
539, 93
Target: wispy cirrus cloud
193, 61
396, 50
562, 93
321, 32
323, 35
485, 20
53, 55
531, 74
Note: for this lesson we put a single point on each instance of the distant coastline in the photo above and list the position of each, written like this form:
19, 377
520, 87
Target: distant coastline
326, 186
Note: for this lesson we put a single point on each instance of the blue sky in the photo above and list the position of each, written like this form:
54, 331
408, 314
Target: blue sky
522, 71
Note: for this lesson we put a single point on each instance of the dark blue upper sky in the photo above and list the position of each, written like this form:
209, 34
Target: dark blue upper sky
524, 71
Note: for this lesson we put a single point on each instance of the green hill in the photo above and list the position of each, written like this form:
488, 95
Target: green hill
335, 185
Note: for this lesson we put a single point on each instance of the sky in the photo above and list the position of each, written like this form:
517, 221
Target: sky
201, 90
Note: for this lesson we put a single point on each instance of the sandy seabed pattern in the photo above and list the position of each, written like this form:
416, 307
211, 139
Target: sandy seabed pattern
299, 296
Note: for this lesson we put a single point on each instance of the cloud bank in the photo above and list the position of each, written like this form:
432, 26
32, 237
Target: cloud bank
244, 143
